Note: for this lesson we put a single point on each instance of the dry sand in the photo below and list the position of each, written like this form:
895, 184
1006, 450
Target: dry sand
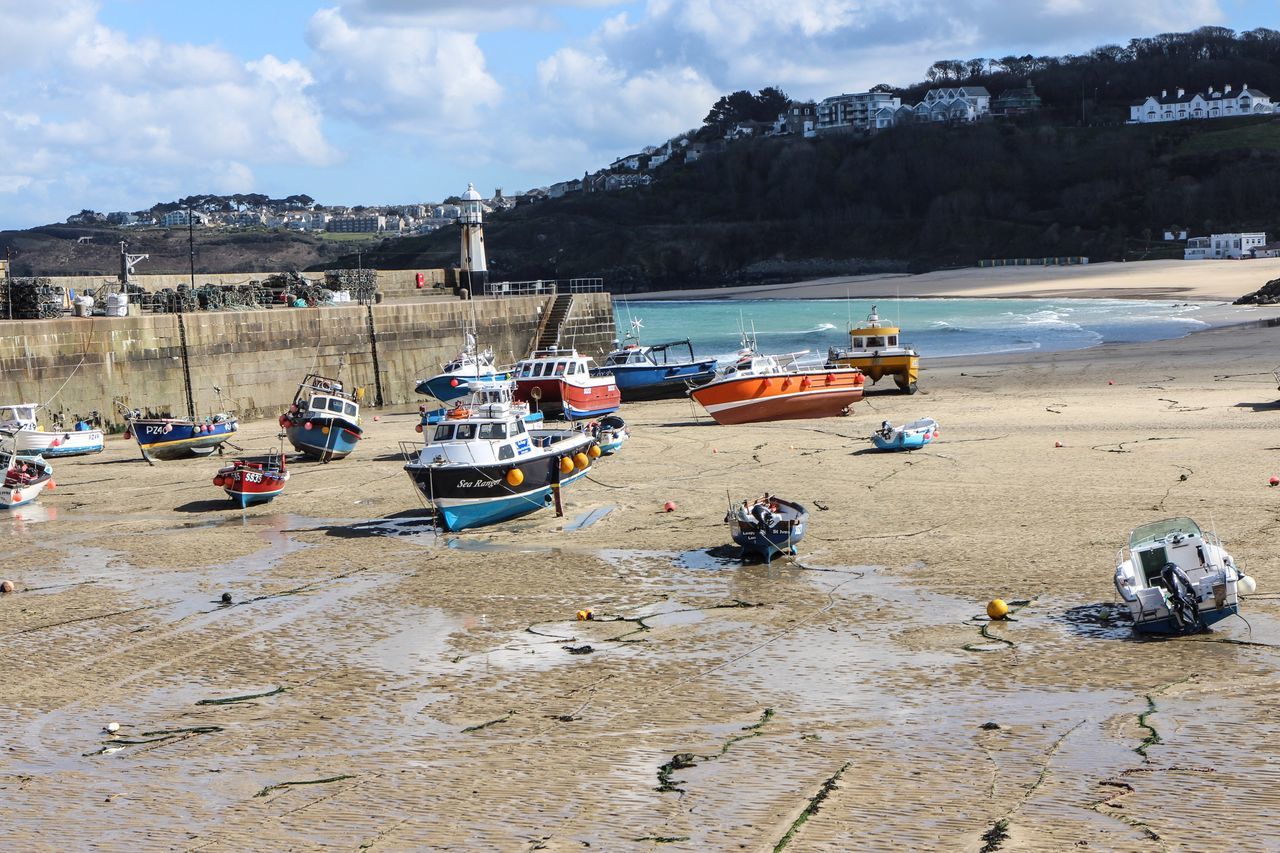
1219, 281
419, 691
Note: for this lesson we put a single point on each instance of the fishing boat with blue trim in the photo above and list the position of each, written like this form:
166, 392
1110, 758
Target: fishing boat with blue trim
483, 465
498, 392
563, 380
767, 526
161, 438
611, 432
253, 480
909, 436
24, 477
323, 422
19, 422
647, 371
470, 371
1178, 579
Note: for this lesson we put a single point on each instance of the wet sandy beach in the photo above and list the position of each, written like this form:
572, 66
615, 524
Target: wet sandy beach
376, 686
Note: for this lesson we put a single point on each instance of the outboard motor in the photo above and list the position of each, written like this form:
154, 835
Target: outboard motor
1183, 605
762, 515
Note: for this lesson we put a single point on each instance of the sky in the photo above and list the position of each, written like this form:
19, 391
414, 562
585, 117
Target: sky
120, 104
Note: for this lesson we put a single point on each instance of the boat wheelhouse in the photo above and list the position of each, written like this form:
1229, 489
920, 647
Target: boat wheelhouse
878, 351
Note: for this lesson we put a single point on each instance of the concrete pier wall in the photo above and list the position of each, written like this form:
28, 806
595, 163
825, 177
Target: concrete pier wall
257, 358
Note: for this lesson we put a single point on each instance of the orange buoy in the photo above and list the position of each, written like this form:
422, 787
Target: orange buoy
515, 477
566, 465
1057, 444
52, 485
418, 428
580, 460
594, 451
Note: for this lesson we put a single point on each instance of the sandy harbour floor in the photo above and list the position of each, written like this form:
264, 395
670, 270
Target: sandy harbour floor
375, 686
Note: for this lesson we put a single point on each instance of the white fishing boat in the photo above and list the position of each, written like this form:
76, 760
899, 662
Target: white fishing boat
24, 477
19, 422
1178, 579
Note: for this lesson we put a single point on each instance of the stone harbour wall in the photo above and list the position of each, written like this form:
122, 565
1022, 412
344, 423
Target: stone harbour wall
256, 358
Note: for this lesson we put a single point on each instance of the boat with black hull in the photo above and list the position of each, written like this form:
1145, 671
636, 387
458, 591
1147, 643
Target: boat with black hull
483, 464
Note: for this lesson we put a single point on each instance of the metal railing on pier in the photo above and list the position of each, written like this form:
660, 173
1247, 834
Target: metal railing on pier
543, 287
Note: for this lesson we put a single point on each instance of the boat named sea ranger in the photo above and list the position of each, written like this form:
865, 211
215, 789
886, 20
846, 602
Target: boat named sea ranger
1177, 579
468, 372
877, 350
563, 380
645, 371
175, 438
767, 526
254, 479
19, 422
323, 422
909, 436
483, 464
24, 477
759, 388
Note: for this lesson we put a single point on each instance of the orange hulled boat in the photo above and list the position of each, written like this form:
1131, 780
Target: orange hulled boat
775, 388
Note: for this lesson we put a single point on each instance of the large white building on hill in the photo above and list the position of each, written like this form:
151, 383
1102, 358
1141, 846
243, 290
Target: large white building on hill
1181, 106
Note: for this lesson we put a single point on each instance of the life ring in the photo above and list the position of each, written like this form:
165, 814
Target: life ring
458, 412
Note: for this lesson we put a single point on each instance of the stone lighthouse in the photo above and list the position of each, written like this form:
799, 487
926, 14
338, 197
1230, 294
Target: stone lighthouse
475, 269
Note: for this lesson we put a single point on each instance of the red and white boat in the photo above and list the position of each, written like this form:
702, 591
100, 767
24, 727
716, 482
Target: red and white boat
253, 479
561, 379
776, 387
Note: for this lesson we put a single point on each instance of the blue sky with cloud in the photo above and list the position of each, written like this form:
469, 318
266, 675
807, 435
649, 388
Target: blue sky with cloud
117, 104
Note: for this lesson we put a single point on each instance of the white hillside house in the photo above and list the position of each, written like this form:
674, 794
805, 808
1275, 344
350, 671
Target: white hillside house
1181, 106
1242, 245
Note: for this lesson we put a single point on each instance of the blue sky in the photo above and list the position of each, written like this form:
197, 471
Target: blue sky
118, 104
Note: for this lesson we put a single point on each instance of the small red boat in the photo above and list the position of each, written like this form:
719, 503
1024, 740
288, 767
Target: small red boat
774, 388
253, 479
561, 379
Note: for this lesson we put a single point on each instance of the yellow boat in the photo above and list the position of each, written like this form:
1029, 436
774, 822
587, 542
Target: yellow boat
877, 350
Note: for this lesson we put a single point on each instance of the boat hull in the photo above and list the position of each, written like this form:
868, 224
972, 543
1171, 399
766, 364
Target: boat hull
466, 496
14, 494
160, 439
905, 369
590, 400
652, 381
47, 444
447, 387
323, 439
1167, 625
754, 399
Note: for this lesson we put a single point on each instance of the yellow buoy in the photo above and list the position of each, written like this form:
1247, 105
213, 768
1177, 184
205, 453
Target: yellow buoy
566, 465
997, 609
584, 615
515, 477
580, 459
594, 452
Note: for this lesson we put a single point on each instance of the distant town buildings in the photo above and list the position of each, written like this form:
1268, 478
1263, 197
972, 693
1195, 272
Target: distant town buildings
1242, 245
868, 111
1181, 106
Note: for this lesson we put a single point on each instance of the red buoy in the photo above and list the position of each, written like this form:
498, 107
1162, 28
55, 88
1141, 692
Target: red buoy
1275, 481
669, 506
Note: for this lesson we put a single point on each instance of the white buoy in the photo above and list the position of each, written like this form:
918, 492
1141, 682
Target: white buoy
113, 727
1247, 585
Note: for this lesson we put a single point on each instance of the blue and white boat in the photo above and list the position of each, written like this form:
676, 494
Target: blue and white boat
323, 422
610, 432
1177, 578
19, 422
175, 438
656, 370
911, 436
483, 464
471, 371
767, 526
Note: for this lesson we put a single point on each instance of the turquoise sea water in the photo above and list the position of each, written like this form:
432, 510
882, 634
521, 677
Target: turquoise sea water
935, 327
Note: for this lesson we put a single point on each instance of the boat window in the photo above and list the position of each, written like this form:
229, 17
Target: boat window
858, 344
875, 342
526, 369
335, 405
317, 403
893, 340
519, 430
444, 432
466, 432
505, 452
572, 368
559, 369
1160, 529
349, 409
493, 431
538, 368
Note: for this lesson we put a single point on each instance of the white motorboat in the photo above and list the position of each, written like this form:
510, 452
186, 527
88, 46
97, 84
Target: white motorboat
1178, 579
19, 422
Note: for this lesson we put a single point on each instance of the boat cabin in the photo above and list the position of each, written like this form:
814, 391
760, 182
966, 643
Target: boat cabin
469, 437
655, 355
324, 404
873, 336
319, 396
1171, 540
554, 364
21, 416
